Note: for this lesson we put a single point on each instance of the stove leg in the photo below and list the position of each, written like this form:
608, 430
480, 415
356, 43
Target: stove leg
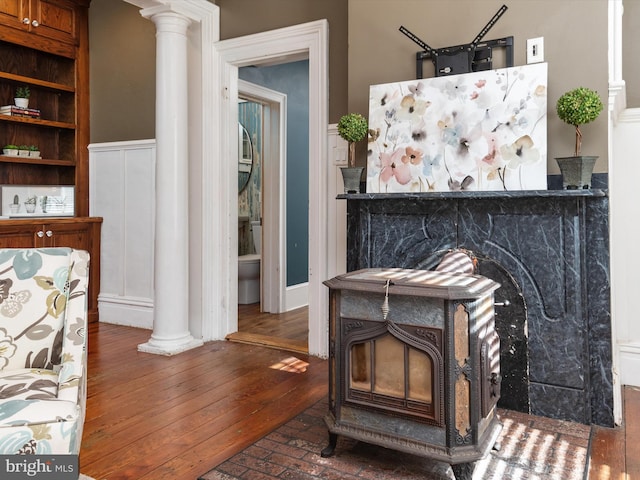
331, 448
463, 471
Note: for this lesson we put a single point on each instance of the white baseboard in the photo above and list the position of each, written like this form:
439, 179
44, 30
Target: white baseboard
629, 360
127, 311
297, 296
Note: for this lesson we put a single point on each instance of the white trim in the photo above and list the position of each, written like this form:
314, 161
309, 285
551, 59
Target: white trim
297, 296
274, 148
616, 104
127, 311
253, 50
629, 363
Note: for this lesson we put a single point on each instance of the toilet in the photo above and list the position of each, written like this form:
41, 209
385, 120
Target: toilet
249, 269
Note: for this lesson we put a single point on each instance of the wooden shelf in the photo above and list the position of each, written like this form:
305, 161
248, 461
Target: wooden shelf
21, 79
37, 121
36, 161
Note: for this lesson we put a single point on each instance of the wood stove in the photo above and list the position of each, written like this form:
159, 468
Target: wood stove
414, 363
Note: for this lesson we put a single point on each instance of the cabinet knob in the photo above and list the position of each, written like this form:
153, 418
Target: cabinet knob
35, 23
40, 233
26, 21
48, 233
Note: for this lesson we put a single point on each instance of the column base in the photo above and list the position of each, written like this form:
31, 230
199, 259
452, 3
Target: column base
169, 347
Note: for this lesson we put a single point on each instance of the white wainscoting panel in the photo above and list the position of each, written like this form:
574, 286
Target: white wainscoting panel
624, 169
337, 209
122, 192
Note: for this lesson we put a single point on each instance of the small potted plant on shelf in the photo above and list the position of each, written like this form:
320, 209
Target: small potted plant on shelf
578, 107
23, 150
10, 150
34, 151
21, 98
352, 127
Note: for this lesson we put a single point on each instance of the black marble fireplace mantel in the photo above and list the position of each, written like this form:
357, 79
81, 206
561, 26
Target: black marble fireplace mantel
550, 251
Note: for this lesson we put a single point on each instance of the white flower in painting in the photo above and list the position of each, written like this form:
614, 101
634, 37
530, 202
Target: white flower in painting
520, 152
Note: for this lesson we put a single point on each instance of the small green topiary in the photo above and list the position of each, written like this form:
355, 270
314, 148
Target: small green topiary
22, 92
578, 107
353, 127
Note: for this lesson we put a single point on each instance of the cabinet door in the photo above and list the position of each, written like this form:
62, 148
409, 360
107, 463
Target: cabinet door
72, 235
54, 19
12, 12
19, 236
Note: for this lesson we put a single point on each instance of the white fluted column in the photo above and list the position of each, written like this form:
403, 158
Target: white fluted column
171, 333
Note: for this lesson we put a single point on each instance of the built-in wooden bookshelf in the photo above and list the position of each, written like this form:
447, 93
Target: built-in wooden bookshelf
44, 45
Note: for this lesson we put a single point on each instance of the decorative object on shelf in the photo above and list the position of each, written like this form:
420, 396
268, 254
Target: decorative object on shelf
39, 200
352, 127
578, 107
30, 204
10, 150
15, 111
482, 131
34, 151
21, 98
23, 150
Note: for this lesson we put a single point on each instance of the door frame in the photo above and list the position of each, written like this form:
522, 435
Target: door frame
285, 44
273, 280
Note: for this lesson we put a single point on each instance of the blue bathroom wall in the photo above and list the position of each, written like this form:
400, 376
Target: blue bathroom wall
292, 79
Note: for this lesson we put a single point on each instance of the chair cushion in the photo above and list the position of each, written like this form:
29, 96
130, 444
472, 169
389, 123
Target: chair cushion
33, 297
29, 384
17, 412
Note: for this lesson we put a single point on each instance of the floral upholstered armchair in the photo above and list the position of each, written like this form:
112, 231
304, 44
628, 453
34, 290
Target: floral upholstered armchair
43, 322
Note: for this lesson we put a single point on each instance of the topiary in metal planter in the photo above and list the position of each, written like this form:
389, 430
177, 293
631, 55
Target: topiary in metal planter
576, 171
351, 178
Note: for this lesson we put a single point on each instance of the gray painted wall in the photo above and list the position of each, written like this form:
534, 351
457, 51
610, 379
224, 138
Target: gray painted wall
365, 48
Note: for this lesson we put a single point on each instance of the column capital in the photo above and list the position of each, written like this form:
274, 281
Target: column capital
195, 10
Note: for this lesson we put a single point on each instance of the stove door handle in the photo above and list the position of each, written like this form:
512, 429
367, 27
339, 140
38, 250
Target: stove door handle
506, 303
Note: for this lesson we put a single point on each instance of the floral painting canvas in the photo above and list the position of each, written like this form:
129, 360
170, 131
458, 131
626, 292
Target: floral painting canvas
475, 131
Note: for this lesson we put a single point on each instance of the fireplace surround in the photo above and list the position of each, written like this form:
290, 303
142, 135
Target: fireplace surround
550, 251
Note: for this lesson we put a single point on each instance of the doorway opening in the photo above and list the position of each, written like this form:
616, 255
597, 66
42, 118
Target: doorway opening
265, 312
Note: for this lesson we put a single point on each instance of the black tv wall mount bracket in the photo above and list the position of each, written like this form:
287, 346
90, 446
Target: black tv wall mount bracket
471, 57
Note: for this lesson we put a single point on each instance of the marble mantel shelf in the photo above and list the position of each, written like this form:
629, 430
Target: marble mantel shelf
594, 192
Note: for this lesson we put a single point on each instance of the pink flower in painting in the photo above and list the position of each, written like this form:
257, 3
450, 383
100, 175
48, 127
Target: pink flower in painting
395, 165
412, 156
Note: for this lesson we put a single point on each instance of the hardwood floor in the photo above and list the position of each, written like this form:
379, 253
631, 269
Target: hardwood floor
152, 417
288, 330
156, 417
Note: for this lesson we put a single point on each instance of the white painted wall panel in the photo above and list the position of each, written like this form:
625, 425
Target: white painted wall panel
122, 192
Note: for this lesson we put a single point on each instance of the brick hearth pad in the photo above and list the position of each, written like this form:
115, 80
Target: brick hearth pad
531, 447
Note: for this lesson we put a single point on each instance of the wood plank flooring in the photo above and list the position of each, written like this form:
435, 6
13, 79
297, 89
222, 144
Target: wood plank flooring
152, 417
288, 330
615, 452
156, 417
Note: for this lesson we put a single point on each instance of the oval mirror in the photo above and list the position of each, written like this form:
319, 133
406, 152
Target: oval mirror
245, 158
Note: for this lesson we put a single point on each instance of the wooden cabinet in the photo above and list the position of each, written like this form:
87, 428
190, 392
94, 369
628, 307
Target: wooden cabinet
52, 19
79, 233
